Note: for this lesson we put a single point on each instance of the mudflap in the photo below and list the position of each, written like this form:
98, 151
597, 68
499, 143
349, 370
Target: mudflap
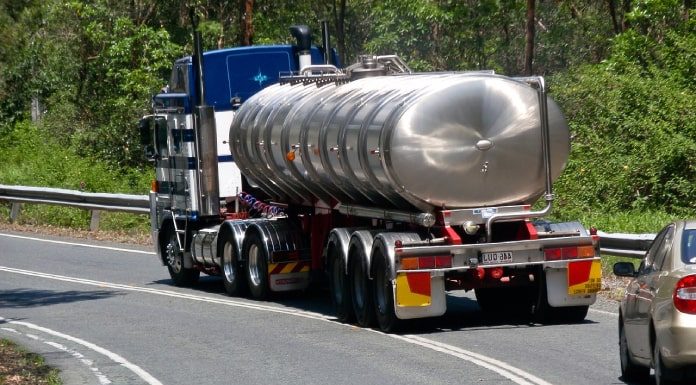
574, 285
419, 295
289, 276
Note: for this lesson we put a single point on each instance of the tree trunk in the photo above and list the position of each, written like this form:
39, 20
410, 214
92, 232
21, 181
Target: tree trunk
626, 9
246, 30
612, 12
529, 38
688, 4
339, 15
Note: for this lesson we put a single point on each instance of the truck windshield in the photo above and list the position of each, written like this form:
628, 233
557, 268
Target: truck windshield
689, 247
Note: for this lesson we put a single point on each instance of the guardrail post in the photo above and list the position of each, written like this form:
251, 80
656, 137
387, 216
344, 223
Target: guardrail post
14, 211
94, 223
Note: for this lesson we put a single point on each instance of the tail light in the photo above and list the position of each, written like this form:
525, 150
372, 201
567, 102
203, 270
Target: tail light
685, 295
427, 262
154, 186
569, 253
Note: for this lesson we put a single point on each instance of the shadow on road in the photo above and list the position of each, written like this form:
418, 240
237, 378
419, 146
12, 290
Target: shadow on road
463, 313
23, 298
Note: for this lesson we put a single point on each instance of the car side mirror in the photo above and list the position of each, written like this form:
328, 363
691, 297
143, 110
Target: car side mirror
624, 269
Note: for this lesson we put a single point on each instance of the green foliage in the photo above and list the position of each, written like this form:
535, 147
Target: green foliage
634, 122
626, 85
32, 157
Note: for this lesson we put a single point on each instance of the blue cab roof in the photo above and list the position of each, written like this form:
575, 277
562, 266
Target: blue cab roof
235, 72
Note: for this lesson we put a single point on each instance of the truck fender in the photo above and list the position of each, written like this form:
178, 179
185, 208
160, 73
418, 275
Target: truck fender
384, 242
277, 235
339, 238
236, 228
167, 226
360, 246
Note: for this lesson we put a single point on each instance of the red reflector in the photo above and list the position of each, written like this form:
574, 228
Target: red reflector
685, 295
570, 252
443, 261
496, 272
553, 254
426, 262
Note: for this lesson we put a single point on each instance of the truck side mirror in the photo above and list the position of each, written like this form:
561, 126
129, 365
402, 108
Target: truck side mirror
153, 136
147, 136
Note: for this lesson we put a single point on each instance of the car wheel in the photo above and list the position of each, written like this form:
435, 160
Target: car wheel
629, 370
663, 375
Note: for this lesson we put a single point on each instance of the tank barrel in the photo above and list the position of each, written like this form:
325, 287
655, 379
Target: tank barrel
406, 142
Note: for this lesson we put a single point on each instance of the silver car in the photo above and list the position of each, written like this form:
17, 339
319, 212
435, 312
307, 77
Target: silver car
657, 318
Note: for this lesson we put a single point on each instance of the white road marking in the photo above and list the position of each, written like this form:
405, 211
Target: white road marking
145, 376
104, 380
514, 374
77, 244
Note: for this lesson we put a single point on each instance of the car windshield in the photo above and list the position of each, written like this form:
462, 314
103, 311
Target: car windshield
689, 247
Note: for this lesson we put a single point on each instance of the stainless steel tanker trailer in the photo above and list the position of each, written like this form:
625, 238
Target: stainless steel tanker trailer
277, 169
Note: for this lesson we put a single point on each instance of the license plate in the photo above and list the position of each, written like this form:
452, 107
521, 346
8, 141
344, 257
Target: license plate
496, 258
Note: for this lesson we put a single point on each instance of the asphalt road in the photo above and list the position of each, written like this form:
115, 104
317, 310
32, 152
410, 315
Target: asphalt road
107, 313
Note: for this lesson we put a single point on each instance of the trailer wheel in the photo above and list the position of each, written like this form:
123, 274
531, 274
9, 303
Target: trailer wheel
173, 257
383, 291
340, 291
232, 277
360, 291
257, 265
508, 301
546, 314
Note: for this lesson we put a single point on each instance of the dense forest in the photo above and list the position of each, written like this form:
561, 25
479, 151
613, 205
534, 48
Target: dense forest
76, 75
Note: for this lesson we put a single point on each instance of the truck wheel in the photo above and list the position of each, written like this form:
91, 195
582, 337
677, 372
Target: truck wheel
173, 256
340, 292
360, 292
629, 370
232, 277
546, 314
257, 266
509, 301
383, 295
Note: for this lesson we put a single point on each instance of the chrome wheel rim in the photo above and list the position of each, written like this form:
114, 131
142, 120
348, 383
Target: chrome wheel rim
254, 273
228, 263
174, 258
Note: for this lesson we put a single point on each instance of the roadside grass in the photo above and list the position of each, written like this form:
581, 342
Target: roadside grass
19, 367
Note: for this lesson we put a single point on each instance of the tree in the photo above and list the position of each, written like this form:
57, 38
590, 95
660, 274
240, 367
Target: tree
529, 38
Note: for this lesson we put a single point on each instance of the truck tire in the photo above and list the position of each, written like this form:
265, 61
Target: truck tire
340, 290
173, 257
504, 301
232, 275
360, 291
544, 313
383, 294
256, 265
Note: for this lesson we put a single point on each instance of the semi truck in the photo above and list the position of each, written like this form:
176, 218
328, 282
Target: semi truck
276, 168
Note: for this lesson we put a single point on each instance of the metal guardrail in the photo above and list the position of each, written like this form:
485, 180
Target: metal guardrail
622, 245
95, 202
